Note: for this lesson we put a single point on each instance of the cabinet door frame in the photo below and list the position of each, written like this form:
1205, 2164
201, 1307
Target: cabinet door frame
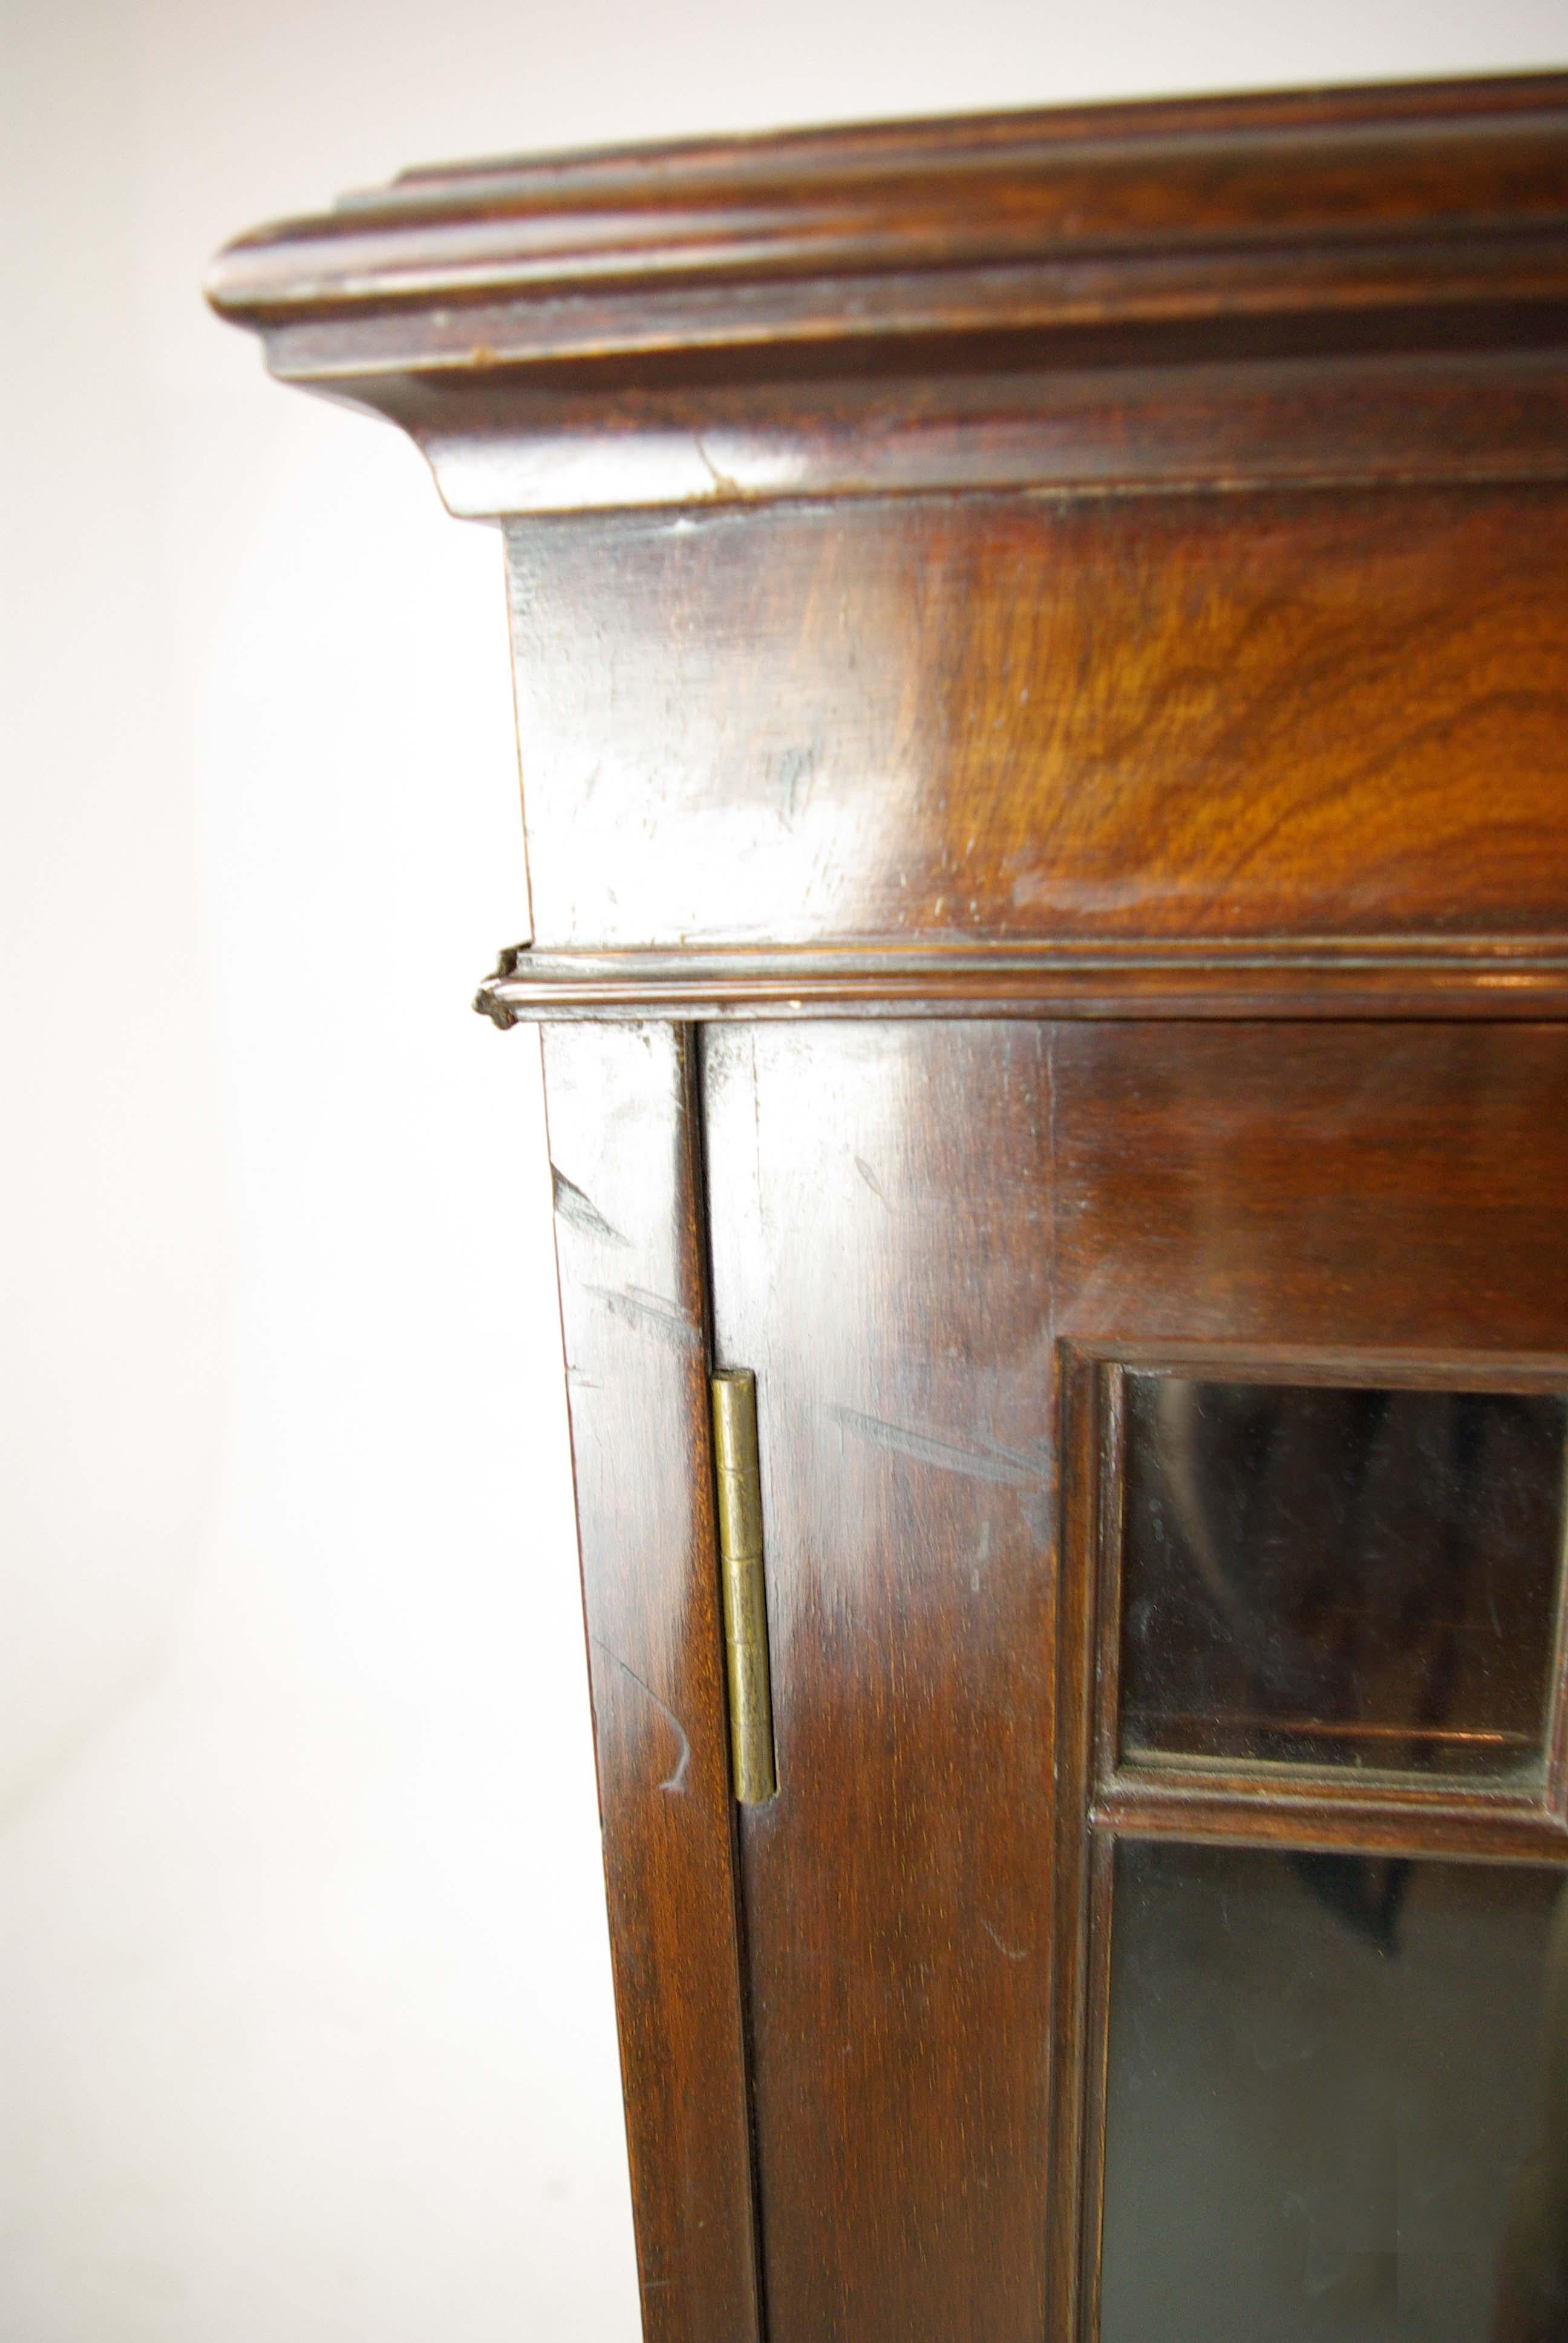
1104, 1801
631, 1252
634, 1255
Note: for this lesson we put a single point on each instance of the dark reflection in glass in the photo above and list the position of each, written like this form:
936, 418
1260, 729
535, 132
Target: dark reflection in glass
1326, 1577
1316, 2137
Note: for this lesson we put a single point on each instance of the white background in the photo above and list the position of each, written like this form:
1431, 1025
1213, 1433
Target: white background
305, 2018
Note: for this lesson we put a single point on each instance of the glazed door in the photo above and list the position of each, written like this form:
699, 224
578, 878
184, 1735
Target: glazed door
1162, 1441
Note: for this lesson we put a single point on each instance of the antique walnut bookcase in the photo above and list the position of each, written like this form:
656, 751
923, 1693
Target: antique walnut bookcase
1041, 654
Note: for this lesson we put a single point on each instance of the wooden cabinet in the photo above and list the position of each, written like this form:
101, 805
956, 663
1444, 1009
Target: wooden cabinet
1041, 654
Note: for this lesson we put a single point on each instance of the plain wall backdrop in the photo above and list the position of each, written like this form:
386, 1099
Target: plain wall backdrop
306, 2032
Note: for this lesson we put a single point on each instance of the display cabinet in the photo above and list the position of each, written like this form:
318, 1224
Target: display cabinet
1041, 660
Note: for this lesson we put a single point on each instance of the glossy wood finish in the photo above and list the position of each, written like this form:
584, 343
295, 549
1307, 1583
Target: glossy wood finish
1494, 981
1358, 1190
1295, 203
894, 1297
1355, 418
1308, 1198
1048, 638
1348, 285
1425, 164
1157, 719
629, 1241
906, 1218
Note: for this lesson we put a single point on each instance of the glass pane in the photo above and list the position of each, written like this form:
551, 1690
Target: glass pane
1338, 2101
1326, 1577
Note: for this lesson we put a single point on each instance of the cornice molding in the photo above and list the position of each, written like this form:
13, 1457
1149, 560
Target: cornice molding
1355, 285
1300, 201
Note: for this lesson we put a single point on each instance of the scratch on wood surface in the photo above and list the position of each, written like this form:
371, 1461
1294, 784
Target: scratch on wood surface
723, 485
871, 1179
581, 1211
1006, 1950
650, 1316
676, 1781
795, 770
1012, 1468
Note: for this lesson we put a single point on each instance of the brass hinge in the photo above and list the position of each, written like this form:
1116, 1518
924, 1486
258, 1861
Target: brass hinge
745, 1601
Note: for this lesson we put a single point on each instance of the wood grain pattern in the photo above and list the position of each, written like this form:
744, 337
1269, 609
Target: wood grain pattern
1371, 410
1366, 1188
1212, 718
1352, 285
629, 1243
1296, 203
1319, 1202
1477, 1826
880, 1215
1049, 635
907, 1217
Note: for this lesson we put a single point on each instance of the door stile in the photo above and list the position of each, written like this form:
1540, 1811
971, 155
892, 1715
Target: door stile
632, 1261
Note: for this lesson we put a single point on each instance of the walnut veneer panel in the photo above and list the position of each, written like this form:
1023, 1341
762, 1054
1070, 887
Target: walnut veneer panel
1285, 715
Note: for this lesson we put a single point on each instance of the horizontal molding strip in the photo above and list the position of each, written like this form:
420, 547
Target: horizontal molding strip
1449, 979
1480, 1826
1431, 197
577, 335
1376, 418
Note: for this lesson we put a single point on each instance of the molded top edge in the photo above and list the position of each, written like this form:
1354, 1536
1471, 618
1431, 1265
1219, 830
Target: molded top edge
1438, 191
739, 156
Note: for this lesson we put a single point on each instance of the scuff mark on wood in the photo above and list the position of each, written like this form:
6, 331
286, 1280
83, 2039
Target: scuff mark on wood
675, 1782
1012, 1468
871, 1179
649, 1314
581, 1212
797, 769
723, 485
